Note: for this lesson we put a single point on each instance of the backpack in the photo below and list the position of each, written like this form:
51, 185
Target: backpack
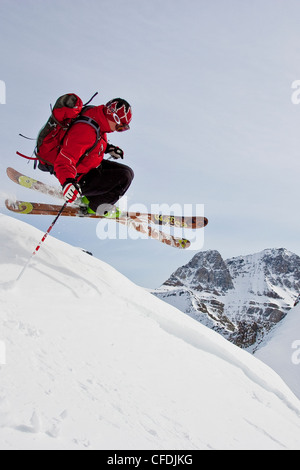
67, 111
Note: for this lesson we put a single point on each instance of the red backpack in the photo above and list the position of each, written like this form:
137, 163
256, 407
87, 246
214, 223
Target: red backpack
67, 111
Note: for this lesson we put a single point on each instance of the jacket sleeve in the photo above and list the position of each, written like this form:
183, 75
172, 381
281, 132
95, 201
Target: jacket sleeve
78, 140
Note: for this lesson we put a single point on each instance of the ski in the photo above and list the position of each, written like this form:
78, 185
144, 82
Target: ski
190, 222
135, 222
31, 183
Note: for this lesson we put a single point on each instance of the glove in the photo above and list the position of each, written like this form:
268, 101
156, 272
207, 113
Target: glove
114, 151
71, 190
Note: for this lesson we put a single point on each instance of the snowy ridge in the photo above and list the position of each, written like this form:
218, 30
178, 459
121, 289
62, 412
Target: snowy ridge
266, 271
282, 350
93, 361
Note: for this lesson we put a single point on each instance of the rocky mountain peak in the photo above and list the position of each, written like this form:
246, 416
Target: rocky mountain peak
206, 271
242, 297
273, 272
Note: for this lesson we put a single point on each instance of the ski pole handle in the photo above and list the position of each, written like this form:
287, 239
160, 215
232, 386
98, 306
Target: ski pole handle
42, 240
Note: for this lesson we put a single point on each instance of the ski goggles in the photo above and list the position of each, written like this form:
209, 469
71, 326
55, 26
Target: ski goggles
122, 127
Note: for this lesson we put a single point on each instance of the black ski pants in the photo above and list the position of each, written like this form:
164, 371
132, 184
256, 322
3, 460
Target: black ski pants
106, 184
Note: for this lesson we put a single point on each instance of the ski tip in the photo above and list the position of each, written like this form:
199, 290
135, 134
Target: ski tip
12, 173
21, 207
183, 243
9, 204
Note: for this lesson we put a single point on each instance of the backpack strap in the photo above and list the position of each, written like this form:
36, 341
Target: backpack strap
90, 121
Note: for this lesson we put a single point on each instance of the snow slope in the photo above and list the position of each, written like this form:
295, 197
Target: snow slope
282, 350
93, 361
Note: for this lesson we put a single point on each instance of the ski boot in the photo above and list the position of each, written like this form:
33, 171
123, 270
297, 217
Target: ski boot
84, 206
113, 213
106, 210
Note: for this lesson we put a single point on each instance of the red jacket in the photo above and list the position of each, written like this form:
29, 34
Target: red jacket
78, 140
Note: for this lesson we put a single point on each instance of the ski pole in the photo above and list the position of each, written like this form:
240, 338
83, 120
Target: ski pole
42, 241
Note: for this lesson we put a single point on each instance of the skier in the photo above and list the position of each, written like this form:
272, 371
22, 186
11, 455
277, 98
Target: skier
71, 145
79, 165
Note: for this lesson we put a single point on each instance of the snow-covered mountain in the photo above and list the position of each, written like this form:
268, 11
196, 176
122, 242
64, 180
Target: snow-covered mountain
242, 298
93, 361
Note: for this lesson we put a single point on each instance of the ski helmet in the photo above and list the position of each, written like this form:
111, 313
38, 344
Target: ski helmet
119, 111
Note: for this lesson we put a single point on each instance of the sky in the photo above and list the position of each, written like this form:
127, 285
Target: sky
215, 119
